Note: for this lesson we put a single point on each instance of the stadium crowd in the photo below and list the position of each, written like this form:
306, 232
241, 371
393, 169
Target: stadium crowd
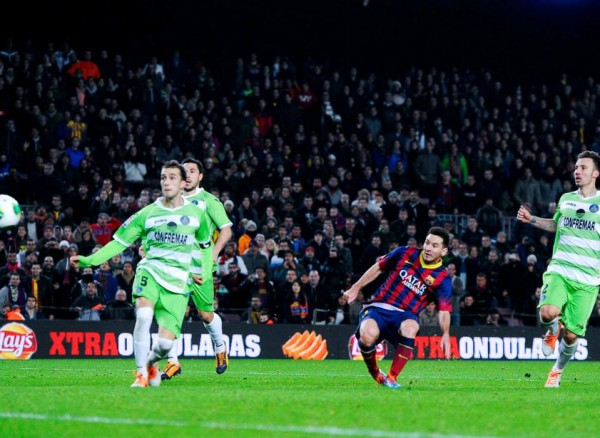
322, 169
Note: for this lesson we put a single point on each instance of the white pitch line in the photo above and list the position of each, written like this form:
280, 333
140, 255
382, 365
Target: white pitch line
332, 431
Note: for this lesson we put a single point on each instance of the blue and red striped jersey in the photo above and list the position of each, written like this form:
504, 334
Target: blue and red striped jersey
411, 283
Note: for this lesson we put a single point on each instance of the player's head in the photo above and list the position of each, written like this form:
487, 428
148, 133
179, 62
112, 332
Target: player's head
587, 169
195, 173
436, 245
172, 179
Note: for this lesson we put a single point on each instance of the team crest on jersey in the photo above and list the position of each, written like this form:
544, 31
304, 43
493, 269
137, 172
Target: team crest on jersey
195, 202
594, 208
429, 280
185, 220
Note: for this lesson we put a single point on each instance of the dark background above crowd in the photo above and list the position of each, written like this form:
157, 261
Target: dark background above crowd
514, 38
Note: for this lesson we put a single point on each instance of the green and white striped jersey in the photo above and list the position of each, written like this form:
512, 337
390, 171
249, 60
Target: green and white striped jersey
576, 252
216, 217
168, 237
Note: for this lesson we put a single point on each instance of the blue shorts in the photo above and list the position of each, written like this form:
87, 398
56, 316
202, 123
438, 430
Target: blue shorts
388, 321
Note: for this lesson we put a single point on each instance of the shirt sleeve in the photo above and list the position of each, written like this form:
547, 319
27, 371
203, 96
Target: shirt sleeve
388, 261
444, 295
108, 251
132, 229
558, 213
203, 232
216, 212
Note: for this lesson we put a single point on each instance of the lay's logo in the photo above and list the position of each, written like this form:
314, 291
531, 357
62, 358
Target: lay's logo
17, 341
354, 350
306, 345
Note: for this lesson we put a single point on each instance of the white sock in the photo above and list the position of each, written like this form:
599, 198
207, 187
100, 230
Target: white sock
141, 338
215, 329
160, 349
565, 353
550, 325
172, 356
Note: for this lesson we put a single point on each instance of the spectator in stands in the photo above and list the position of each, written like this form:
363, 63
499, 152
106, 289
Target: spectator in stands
105, 277
13, 294
458, 291
40, 288
489, 217
229, 255
89, 306
253, 258
527, 191
296, 306
469, 314
125, 279
335, 273
513, 274
30, 311
473, 234
120, 307
320, 300
469, 199
235, 298
79, 288
429, 316
309, 261
492, 189
456, 163
104, 228
495, 319
427, 169
256, 284
250, 231
256, 313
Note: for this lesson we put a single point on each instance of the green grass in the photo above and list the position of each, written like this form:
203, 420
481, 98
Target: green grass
286, 398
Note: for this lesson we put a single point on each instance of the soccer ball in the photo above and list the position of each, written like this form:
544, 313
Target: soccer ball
10, 211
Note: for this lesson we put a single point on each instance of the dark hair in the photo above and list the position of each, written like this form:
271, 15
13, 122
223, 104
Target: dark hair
174, 164
593, 155
194, 161
440, 232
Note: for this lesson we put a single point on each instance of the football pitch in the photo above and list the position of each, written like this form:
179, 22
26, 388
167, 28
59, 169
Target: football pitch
287, 398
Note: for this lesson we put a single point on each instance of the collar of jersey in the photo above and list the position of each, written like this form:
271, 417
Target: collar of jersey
159, 202
198, 190
425, 265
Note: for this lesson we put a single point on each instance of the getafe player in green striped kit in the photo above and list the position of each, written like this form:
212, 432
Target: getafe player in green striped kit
573, 276
168, 228
204, 294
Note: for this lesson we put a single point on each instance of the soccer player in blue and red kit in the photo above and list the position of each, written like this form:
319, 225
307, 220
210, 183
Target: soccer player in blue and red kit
416, 277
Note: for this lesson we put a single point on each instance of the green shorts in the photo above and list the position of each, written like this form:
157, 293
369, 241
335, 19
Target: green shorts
204, 294
575, 300
169, 307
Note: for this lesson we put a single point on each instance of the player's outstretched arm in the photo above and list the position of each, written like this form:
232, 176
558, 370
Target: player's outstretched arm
105, 253
526, 217
371, 274
224, 235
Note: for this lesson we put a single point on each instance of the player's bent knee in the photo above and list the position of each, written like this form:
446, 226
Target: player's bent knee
549, 312
409, 329
369, 330
570, 337
206, 317
163, 346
